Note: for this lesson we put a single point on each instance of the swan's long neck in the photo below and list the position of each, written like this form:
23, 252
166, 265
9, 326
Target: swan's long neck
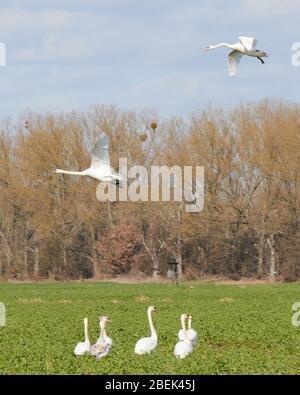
152, 329
102, 330
86, 335
75, 173
220, 45
189, 323
183, 327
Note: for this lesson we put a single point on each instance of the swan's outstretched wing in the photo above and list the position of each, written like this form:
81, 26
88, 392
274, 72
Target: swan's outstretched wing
234, 58
100, 152
248, 42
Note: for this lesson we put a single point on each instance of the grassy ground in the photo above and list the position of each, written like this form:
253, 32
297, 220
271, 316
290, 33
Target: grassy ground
242, 329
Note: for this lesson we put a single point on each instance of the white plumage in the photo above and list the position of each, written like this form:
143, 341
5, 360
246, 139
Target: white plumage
102, 346
106, 338
83, 347
100, 168
184, 347
191, 333
147, 344
246, 46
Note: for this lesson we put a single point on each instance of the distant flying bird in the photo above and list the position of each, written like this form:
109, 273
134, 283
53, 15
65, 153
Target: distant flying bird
147, 344
100, 168
83, 347
246, 46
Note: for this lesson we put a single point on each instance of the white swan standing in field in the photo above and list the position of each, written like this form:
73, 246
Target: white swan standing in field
102, 346
181, 332
106, 338
83, 347
246, 46
192, 334
147, 344
102, 321
184, 347
100, 168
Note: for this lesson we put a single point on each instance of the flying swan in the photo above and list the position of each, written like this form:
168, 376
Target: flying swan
100, 168
246, 46
147, 344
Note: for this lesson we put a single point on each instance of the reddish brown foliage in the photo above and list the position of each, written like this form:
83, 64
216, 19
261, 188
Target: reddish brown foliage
118, 248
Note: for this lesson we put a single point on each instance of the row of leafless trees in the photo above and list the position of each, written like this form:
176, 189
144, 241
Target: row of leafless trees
52, 226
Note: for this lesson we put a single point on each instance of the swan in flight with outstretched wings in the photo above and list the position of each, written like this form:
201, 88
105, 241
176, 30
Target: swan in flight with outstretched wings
100, 168
246, 46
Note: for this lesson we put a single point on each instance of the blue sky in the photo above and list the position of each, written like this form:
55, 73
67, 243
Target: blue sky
138, 54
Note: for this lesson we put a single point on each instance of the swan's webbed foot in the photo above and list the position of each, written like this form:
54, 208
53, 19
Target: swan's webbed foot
262, 61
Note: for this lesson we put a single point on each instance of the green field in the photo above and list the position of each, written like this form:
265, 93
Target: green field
241, 329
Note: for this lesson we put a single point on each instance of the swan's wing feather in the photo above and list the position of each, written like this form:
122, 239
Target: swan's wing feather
181, 334
248, 42
82, 348
234, 58
100, 350
100, 152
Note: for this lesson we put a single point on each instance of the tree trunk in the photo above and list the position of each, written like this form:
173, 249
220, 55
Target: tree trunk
7, 251
36, 262
178, 256
65, 264
95, 267
109, 214
261, 245
271, 244
25, 262
154, 258
260, 269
